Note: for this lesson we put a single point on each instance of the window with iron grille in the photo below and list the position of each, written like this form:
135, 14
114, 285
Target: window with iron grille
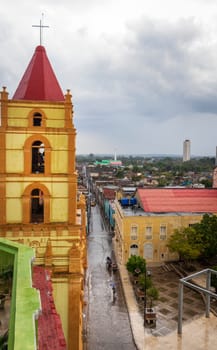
163, 232
148, 232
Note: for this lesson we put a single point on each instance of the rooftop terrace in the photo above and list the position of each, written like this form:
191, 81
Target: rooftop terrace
29, 312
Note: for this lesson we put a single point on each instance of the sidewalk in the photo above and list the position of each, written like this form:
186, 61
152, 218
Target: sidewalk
198, 333
135, 316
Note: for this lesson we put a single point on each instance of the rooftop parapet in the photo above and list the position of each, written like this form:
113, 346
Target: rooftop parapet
25, 300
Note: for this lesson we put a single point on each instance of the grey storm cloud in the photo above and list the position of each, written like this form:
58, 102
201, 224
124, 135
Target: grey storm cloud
152, 74
144, 76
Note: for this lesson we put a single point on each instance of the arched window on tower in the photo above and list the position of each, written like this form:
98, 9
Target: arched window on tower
37, 206
38, 157
37, 119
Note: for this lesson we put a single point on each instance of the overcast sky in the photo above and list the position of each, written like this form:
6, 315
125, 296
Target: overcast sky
143, 73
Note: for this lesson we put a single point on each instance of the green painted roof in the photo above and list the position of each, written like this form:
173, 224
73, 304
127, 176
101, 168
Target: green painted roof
25, 300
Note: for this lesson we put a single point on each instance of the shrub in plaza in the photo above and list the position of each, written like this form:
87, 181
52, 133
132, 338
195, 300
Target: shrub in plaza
136, 265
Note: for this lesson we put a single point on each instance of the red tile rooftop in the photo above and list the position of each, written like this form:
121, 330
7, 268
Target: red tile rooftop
159, 200
50, 332
109, 193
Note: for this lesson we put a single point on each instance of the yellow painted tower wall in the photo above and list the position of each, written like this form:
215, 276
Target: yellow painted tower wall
59, 235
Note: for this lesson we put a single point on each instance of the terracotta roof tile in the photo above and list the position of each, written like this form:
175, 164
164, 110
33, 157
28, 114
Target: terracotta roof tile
109, 193
178, 200
50, 333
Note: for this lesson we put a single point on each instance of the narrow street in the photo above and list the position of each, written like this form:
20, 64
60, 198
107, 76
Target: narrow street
106, 321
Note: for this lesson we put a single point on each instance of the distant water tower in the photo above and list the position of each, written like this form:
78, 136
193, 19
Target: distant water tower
216, 157
186, 150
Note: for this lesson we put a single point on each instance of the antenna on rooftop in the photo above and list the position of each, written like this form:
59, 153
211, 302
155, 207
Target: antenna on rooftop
41, 26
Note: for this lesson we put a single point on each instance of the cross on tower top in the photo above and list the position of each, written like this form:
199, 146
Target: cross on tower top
41, 26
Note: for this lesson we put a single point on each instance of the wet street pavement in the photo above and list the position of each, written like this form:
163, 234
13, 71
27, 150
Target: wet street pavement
109, 324
106, 321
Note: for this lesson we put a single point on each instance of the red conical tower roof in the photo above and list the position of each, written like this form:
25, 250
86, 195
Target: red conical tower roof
39, 82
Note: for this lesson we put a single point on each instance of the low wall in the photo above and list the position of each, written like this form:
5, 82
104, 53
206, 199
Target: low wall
25, 300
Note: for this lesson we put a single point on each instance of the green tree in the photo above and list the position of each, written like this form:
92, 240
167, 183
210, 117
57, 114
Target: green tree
145, 283
207, 183
136, 169
162, 182
186, 243
136, 262
120, 174
152, 294
207, 230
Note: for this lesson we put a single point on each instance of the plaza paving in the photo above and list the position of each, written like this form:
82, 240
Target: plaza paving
198, 332
166, 281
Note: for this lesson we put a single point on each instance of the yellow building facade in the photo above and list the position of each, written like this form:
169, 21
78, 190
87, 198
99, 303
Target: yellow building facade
147, 234
39, 202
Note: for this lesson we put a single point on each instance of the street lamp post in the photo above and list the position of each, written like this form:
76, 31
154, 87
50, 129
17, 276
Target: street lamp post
147, 273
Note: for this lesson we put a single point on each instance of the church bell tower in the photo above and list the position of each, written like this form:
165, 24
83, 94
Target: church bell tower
40, 205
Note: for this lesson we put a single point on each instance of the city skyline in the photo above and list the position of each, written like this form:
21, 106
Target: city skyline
143, 77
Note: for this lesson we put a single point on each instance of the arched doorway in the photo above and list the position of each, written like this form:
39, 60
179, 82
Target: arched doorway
134, 249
